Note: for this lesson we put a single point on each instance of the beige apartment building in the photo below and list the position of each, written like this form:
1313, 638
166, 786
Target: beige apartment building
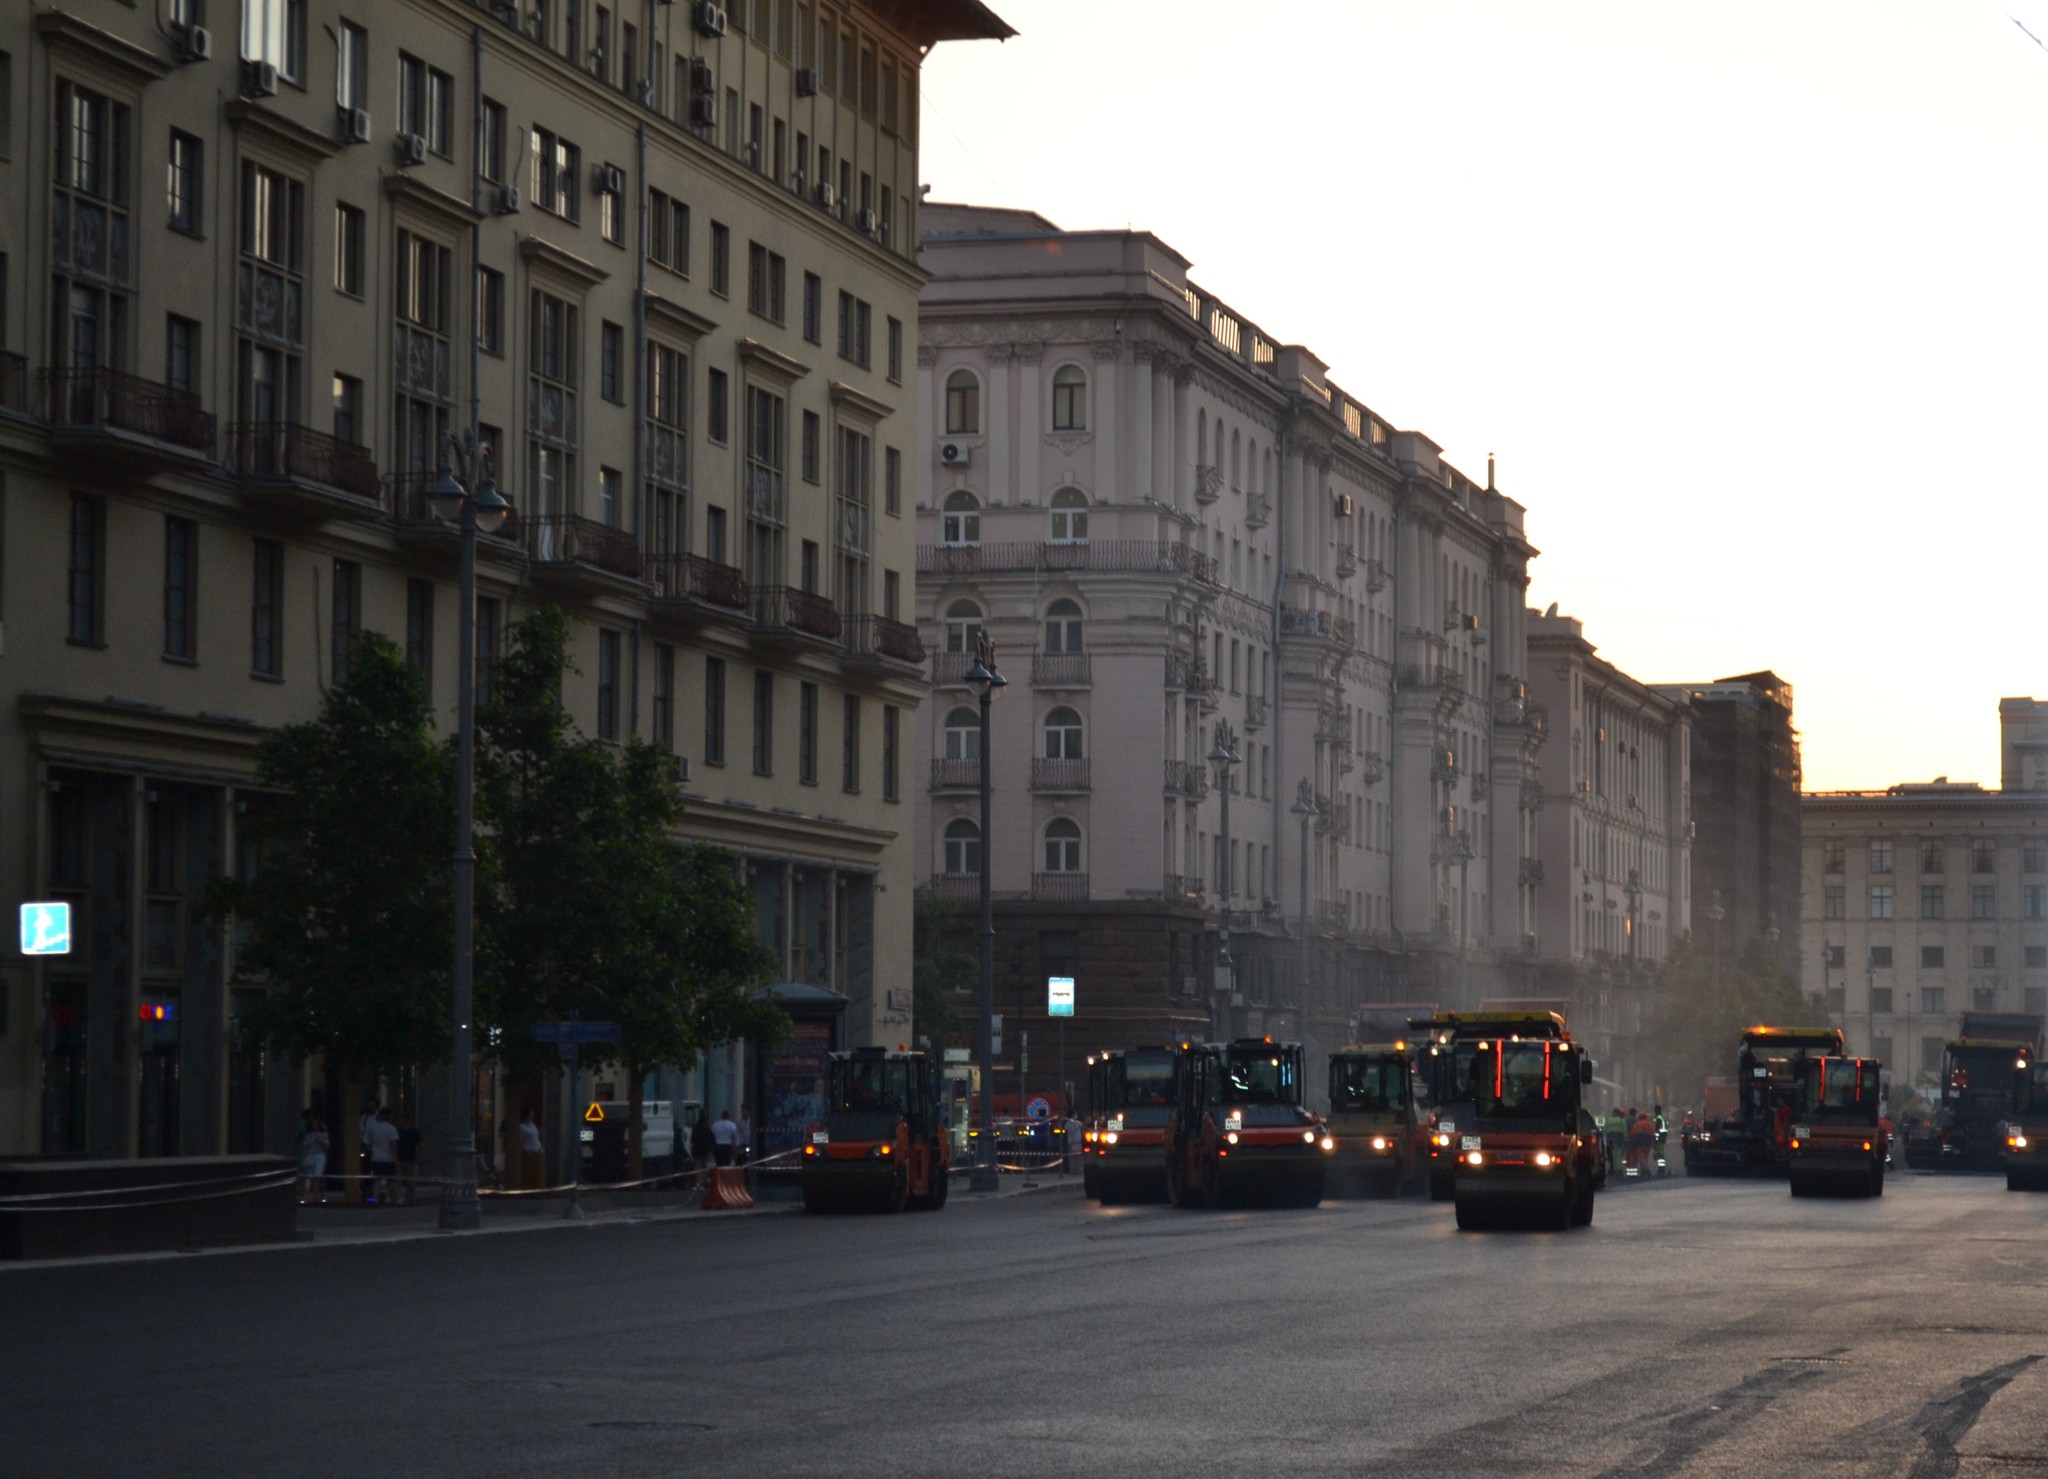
1186, 540
1614, 840
263, 260
1930, 899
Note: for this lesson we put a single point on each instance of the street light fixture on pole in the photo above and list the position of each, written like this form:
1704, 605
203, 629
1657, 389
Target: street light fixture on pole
476, 506
1223, 755
985, 1177
1304, 807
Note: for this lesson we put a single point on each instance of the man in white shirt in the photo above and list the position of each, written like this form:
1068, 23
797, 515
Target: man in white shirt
382, 1139
725, 1138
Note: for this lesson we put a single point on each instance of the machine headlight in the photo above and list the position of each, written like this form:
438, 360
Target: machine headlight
1379, 1143
1109, 1137
2017, 1141
1795, 1144
1231, 1136
1329, 1143
1474, 1158
1309, 1136
1444, 1140
1545, 1158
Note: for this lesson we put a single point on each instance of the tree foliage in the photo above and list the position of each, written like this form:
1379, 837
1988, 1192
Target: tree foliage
347, 915
1693, 1032
936, 969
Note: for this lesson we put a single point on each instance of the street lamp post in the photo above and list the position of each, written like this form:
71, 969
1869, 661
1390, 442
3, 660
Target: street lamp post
1716, 913
1223, 755
1304, 807
985, 1177
473, 501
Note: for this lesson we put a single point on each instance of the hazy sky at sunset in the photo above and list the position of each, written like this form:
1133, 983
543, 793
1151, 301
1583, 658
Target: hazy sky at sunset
1745, 296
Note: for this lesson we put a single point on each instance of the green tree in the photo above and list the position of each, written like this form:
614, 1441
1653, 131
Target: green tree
347, 916
592, 910
936, 969
1694, 1031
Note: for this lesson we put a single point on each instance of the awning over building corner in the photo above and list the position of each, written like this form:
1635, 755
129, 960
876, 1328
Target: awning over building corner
930, 21
802, 996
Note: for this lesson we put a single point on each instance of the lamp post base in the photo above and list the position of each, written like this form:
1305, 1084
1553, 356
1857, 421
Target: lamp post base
461, 1209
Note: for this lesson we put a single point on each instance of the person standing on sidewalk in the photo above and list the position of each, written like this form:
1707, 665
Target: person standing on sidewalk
530, 1171
724, 1138
700, 1147
382, 1140
313, 1162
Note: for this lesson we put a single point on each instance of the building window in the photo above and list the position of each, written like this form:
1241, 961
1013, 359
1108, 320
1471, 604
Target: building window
1931, 858
611, 353
892, 723
1880, 957
854, 475
661, 716
348, 410
1880, 901
717, 407
1069, 399
1983, 857
496, 132
963, 404
1880, 857
668, 231
856, 324
345, 618
1983, 957
181, 590
809, 454
814, 308
1069, 509
348, 250
423, 321
426, 99
557, 166
352, 67
1062, 846
551, 395
274, 31
187, 183
266, 611
963, 626
1933, 957
892, 481
86, 582
611, 493
611, 215
2037, 959
960, 520
269, 314
2034, 901
419, 630
962, 849
1931, 901
607, 685
2034, 857
714, 711
490, 623
1063, 626
962, 735
1835, 955
807, 733
1933, 999
1881, 1000
721, 259
849, 743
1831, 855
764, 723
181, 354
1983, 901
1063, 735
767, 279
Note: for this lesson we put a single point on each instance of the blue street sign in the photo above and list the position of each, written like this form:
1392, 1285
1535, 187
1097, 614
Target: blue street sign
568, 1032
46, 929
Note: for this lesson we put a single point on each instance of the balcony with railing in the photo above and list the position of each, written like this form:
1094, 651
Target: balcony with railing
572, 552
1208, 483
1258, 510
1060, 669
877, 639
1116, 556
14, 395
1182, 887
1058, 775
286, 469
784, 614
950, 669
1372, 768
1064, 888
956, 775
1187, 778
690, 590
958, 888
1333, 914
1347, 561
114, 414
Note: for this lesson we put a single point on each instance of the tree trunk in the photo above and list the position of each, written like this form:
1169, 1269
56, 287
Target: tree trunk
636, 1094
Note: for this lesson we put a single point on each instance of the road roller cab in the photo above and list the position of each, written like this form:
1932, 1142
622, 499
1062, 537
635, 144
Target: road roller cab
882, 1141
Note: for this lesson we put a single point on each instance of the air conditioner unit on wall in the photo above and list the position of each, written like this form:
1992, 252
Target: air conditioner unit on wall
609, 179
508, 200
806, 82
259, 79
195, 44
704, 111
411, 149
866, 222
955, 454
1344, 505
710, 18
702, 78
824, 195
355, 125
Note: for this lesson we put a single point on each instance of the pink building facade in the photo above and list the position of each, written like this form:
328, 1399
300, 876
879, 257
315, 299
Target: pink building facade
1186, 541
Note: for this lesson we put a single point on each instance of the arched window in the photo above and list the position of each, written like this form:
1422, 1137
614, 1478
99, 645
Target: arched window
963, 849
963, 735
963, 404
960, 521
1069, 399
1063, 735
1070, 516
963, 626
1063, 626
1062, 846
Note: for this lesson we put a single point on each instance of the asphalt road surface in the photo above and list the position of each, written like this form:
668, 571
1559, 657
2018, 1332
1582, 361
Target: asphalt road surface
1700, 1328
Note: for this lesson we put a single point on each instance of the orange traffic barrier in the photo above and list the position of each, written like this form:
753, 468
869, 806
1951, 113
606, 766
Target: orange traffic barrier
727, 1191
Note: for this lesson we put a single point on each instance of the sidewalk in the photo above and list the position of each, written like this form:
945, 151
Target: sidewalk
329, 1226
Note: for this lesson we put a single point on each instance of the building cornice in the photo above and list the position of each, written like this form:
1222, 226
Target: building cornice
544, 255
452, 210
65, 33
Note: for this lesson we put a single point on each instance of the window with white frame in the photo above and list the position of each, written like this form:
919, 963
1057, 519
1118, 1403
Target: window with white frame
1062, 845
963, 403
963, 626
960, 519
1069, 513
1063, 626
1063, 734
962, 849
963, 734
1069, 399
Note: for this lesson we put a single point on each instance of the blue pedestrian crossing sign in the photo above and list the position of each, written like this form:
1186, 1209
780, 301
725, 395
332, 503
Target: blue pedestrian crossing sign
46, 929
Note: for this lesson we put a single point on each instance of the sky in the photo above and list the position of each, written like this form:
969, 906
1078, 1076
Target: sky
1744, 297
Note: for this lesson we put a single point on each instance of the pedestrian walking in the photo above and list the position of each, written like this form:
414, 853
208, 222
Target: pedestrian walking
313, 1161
530, 1169
725, 1135
700, 1146
382, 1141
1640, 1136
1073, 1145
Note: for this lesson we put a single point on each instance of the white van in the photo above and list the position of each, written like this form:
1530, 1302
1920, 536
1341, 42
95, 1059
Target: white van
657, 1129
